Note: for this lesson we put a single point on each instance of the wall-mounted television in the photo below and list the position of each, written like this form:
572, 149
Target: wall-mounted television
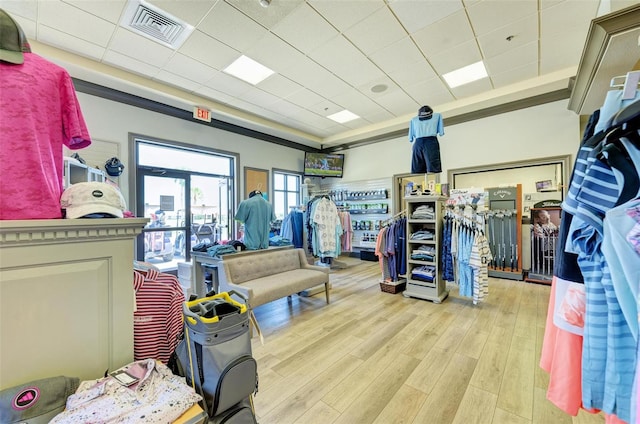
323, 164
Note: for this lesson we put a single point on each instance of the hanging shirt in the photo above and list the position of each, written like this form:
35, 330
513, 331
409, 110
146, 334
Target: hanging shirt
426, 128
40, 114
257, 215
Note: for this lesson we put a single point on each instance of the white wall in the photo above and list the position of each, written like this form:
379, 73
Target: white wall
112, 122
537, 132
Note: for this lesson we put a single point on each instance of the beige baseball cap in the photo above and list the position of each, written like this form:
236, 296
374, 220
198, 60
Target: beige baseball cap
13, 42
92, 199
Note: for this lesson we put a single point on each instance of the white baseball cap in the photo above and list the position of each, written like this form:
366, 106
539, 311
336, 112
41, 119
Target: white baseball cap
82, 199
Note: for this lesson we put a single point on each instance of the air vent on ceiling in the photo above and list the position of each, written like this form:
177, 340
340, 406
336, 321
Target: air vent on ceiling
155, 24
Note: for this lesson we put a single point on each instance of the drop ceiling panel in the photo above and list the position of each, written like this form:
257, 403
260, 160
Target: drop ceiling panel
430, 92
461, 55
304, 98
228, 84
259, 97
513, 58
472, 88
143, 49
438, 38
398, 55
230, 26
217, 55
415, 15
413, 73
75, 22
280, 86
343, 14
559, 52
359, 104
376, 31
345, 61
515, 75
274, 53
305, 29
521, 32
265, 16
110, 10
176, 80
398, 103
488, 15
574, 14
131, 64
189, 68
63, 40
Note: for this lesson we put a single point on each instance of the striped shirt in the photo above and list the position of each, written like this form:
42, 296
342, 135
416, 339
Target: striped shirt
157, 321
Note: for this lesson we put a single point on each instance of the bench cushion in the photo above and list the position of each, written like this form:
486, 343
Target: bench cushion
272, 287
246, 268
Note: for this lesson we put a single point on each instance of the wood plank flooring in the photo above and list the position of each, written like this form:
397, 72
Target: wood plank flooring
374, 357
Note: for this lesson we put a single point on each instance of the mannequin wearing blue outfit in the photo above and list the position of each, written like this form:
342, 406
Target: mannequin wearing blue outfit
257, 215
423, 132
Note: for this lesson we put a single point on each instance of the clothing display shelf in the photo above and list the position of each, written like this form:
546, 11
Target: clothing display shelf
426, 232
76, 172
369, 204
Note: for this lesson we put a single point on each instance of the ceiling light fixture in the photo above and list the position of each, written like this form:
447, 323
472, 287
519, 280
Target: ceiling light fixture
248, 70
379, 88
465, 75
265, 3
342, 117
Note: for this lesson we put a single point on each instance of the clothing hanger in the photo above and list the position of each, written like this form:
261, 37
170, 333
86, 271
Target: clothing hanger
629, 84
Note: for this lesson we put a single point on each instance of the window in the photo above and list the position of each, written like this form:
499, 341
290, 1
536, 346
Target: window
286, 192
187, 193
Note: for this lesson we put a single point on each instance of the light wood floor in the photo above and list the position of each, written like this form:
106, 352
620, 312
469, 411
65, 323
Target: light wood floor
374, 357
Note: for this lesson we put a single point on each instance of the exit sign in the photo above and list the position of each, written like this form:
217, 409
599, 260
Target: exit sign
202, 114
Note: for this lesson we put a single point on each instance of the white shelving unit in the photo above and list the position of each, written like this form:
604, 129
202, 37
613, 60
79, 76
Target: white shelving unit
436, 290
75, 172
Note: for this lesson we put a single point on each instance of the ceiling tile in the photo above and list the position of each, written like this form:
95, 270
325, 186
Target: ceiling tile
380, 116
129, 63
376, 31
398, 103
484, 14
415, 15
523, 31
305, 29
561, 52
75, 22
437, 38
274, 53
472, 88
305, 98
216, 54
189, 68
343, 14
461, 55
340, 57
27, 9
513, 58
570, 14
430, 92
316, 78
69, 42
397, 55
177, 81
280, 86
109, 10
326, 108
228, 84
216, 95
259, 97
130, 44
515, 75
232, 27
266, 16
384, 80
358, 103
413, 73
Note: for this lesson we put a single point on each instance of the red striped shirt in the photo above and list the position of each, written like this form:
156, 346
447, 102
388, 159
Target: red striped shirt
157, 321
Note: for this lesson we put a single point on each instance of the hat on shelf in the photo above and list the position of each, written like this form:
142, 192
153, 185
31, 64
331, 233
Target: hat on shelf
13, 42
93, 200
425, 112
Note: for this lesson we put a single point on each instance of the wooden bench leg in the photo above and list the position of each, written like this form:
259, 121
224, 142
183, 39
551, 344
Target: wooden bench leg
326, 291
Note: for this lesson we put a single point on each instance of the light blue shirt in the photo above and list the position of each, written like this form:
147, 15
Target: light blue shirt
427, 128
257, 215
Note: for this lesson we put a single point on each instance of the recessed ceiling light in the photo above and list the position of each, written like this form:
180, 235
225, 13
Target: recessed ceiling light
379, 88
465, 75
248, 70
344, 116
